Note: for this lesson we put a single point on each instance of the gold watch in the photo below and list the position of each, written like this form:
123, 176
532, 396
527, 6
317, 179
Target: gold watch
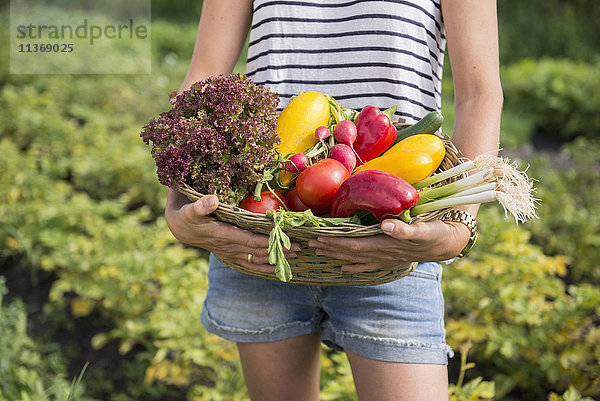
468, 220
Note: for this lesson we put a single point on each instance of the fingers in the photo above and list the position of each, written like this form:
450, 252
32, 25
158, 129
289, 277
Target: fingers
351, 247
399, 243
203, 207
259, 261
259, 267
194, 213
366, 267
416, 232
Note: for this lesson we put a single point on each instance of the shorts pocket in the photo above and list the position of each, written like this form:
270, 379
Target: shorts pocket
425, 275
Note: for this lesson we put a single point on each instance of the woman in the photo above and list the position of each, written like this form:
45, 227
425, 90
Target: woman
369, 52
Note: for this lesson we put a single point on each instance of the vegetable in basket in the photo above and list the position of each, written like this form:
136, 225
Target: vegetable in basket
317, 185
429, 124
428, 143
268, 201
298, 121
344, 154
375, 132
296, 126
294, 202
382, 194
491, 178
410, 165
385, 195
217, 138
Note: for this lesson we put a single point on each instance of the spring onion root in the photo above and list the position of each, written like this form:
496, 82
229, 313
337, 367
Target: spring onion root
489, 178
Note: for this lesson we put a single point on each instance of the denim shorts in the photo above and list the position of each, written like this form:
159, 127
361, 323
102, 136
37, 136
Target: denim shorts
401, 321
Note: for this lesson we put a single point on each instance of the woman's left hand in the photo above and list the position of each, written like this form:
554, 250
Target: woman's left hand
420, 242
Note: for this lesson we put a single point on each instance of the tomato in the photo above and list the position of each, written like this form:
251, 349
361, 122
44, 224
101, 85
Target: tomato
318, 184
293, 200
267, 202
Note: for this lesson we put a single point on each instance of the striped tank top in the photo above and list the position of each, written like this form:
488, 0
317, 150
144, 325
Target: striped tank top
361, 52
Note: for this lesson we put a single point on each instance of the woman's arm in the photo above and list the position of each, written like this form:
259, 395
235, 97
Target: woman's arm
222, 32
472, 39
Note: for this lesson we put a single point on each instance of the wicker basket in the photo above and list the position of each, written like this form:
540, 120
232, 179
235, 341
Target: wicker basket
309, 268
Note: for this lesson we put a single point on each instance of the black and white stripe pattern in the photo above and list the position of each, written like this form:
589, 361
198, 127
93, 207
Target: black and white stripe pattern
378, 52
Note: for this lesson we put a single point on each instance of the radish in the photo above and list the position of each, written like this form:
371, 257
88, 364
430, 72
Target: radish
296, 163
322, 133
344, 154
345, 132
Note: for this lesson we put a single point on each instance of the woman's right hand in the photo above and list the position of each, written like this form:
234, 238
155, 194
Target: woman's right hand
191, 224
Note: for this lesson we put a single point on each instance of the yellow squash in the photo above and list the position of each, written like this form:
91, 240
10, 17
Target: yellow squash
428, 143
410, 165
298, 121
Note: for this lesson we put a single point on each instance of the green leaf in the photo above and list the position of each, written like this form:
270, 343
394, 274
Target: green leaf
278, 239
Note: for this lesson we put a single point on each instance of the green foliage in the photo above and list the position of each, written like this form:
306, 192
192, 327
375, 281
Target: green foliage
560, 96
176, 11
336, 377
548, 28
530, 330
475, 390
29, 370
79, 199
570, 395
569, 224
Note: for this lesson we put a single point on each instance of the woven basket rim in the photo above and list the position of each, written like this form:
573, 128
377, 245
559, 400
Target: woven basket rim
311, 268
345, 227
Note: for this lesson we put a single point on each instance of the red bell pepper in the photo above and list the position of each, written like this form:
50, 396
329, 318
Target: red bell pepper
382, 194
375, 133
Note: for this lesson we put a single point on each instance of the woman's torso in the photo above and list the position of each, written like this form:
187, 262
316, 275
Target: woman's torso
379, 52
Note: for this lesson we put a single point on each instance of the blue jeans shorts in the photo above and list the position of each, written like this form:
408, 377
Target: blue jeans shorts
401, 321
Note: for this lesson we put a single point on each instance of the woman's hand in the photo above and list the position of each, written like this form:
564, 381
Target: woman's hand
400, 243
190, 224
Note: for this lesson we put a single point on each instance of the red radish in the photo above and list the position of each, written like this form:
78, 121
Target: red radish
345, 132
322, 133
296, 163
344, 154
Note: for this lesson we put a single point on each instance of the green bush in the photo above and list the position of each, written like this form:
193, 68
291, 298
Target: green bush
559, 96
569, 224
79, 199
531, 331
29, 370
548, 28
570, 395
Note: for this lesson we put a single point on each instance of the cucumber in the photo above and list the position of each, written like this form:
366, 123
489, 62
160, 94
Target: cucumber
427, 125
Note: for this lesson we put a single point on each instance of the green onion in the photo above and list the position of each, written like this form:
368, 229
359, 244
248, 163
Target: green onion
444, 175
497, 179
429, 194
483, 197
490, 186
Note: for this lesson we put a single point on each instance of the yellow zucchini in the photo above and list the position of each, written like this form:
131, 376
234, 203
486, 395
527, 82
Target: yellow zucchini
298, 121
428, 143
410, 165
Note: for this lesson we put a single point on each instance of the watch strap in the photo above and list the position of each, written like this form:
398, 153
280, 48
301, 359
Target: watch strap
468, 220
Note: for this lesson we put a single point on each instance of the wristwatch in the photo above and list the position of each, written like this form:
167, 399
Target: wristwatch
468, 220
